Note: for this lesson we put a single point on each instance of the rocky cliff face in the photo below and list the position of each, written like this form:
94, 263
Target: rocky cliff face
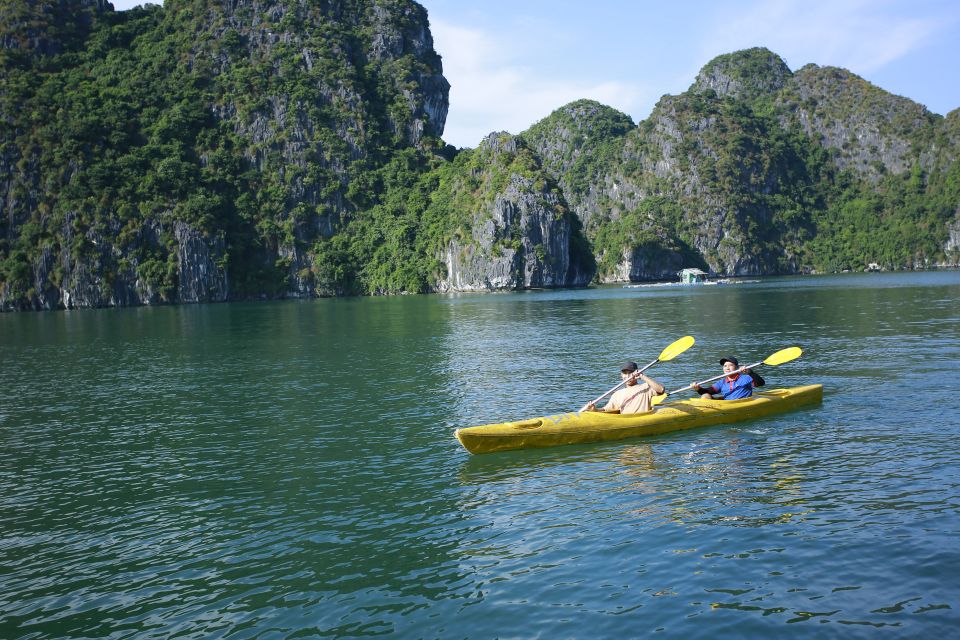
284, 107
48, 28
388, 90
870, 130
677, 154
91, 272
213, 150
201, 276
592, 152
520, 233
639, 262
578, 145
952, 246
744, 75
736, 174
388, 49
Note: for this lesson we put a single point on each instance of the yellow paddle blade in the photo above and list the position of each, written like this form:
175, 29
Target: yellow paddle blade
658, 399
676, 348
784, 355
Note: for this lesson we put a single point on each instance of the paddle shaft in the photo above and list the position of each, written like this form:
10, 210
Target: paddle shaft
713, 379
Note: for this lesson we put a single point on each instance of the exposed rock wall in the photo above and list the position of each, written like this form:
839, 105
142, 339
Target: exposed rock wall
364, 82
952, 246
745, 74
200, 278
395, 59
519, 243
522, 239
312, 111
645, 263
99, 275
867, 126
577, 145
728, 159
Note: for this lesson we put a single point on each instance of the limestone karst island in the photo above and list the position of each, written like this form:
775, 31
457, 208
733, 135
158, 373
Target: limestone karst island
210, 151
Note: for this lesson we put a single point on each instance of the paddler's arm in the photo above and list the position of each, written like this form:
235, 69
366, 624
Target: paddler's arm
757, 380
656, 386
702, 390
593, 407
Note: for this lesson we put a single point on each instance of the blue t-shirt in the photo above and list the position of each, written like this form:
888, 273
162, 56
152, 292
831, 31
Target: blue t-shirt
742, 387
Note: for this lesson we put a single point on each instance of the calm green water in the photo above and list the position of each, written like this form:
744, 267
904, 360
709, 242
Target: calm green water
288, 470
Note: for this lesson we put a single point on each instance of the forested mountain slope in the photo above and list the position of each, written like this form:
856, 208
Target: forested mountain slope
212, 150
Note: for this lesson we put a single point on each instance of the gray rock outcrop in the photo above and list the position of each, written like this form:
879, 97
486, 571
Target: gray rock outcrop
520, 240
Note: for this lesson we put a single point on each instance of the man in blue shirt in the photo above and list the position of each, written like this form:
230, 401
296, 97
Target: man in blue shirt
738, 383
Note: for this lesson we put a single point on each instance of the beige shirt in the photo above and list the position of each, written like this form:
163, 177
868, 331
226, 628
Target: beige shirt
635, 399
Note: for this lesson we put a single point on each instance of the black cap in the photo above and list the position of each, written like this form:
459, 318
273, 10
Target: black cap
629, 366
733, 360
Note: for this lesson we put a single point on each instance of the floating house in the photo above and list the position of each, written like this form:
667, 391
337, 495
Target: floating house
692, 276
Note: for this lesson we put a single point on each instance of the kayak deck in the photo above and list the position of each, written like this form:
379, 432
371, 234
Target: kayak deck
594, 426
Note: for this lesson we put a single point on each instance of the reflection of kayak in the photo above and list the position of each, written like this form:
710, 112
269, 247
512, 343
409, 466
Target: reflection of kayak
587, 426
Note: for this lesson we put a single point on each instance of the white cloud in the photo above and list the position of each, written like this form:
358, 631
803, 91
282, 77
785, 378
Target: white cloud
860, 35
490, 91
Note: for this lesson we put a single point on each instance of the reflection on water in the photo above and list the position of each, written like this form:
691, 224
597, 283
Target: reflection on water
289, 469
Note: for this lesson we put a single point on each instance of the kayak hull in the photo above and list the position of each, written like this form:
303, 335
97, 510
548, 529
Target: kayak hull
594, 426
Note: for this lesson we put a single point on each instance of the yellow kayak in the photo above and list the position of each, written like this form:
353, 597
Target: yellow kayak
593, 426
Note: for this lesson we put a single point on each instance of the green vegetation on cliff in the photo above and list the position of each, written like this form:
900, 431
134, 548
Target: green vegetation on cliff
277, 130
758, 170
208, 150
580, 142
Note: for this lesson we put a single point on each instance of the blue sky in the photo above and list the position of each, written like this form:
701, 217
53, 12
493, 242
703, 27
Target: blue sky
511, 63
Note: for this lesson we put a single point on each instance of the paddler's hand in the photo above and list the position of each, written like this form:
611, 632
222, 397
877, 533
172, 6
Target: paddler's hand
590, 407
653, 384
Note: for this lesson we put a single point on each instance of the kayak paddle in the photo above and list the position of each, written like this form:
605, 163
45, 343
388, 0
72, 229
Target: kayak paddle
784, 355
669, 353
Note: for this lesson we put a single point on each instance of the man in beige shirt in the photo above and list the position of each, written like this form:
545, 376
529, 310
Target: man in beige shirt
634, 397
